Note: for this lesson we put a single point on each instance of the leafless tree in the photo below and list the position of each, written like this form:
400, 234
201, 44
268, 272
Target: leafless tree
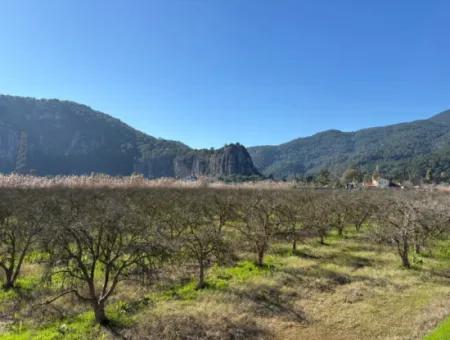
23, 214
362, 208
201, 223
99, 242
316, 215
434, 219
258, 220
293, 215
397, 222
339, 210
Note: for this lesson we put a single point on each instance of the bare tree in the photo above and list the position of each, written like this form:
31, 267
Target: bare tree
99, 242
339, 211
398, 222
316, 215
258, 220
202, 237
434, 219
23, 214
362, 208
292, 213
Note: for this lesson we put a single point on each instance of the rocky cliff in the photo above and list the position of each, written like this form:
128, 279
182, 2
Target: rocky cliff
230, 160
52, 137
9, 146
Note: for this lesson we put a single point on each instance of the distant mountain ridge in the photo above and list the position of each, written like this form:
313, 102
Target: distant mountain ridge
403, 151
53, 137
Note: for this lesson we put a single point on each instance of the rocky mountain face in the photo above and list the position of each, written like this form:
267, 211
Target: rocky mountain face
402, 151
9, 146
52, 137
231, 159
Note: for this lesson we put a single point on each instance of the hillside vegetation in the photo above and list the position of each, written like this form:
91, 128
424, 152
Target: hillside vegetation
403, 151
53, 137
222, 263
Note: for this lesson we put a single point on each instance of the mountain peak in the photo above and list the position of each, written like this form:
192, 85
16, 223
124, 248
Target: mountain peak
402, 151
443, 117
53, 137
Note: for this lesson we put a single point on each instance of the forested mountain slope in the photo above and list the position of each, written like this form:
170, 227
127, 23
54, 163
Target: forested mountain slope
53, 137
402, 151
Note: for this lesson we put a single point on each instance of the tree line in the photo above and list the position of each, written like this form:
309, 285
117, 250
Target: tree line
90, 240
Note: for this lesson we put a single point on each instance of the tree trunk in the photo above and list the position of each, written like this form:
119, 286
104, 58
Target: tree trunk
9, 280
405, 261
419, 244
322, 239
201, 275
100, 315
403, 250
418, 248
260, 260
294, 246
8, 285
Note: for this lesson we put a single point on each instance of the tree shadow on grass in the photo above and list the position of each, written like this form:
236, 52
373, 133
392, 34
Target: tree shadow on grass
437, 276
267, 301
325, 280
305, 254
184, 324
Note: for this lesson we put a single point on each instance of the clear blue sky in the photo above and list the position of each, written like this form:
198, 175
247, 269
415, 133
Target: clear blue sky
209, 72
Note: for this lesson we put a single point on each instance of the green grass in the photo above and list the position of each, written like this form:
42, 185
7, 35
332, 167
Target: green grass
348, 288
83, 326
8, 295
36, 257
179, 292
442, 332
218, 278
244, 270
24, 287
79, 327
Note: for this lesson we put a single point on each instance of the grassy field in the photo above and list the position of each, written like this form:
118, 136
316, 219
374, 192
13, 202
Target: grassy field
349, 288
442, 332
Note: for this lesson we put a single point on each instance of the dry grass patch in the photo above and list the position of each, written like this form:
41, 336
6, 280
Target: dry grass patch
339, 291
348, 289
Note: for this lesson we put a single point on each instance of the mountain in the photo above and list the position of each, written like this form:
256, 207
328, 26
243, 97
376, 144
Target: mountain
53, 137
232, 159
402, 151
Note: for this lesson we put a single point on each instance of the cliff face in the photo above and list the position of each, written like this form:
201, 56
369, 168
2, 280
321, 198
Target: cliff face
52, 137
230, 160
9, 146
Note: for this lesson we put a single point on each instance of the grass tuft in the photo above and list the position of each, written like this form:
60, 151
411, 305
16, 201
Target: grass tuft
442, 332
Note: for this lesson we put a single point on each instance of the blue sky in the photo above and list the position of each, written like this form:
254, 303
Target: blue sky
210, 72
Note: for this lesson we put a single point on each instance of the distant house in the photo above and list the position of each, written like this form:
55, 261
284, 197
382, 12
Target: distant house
381, 183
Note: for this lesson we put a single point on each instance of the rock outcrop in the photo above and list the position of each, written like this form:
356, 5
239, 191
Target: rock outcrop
9, 146
52, 137
230, 160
